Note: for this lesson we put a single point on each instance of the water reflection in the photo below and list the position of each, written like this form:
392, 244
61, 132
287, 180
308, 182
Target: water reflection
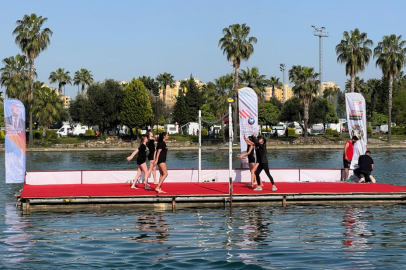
154, 228
15, 235
357, 233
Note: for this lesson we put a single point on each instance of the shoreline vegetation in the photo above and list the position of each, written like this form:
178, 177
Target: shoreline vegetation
181, 142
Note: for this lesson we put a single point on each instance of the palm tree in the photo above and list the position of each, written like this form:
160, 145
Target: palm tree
274, 83
15, 76
61, 77
237, 46
83, 77
48, 108
360, 86
32, 40
165, 79
305, 88
354, 51
390, 54
254, 80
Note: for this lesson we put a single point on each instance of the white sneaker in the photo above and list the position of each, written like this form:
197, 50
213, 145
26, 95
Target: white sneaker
362, 180
258, 188
274, 188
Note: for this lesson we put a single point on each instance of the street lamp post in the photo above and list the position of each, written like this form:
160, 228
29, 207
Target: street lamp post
282, 68
320, 32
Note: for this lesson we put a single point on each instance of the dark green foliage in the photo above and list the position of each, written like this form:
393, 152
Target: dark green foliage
38, 134
321, 111
89, 132
204, 132
291, 111
180, 113
151, 85
399, 108
291, 132
379, 119
193, 99
77, 109
136, 108
369, 130
398, 130
268, 114
274, 101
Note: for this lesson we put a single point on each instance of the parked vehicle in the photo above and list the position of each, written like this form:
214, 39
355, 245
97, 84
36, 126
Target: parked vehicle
317, 129
80, 130
278, 130
64, 131
171, 128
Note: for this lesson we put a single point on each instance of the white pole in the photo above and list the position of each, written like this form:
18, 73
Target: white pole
230, 143
200, 146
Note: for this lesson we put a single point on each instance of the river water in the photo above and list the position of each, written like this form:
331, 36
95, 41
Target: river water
296, 237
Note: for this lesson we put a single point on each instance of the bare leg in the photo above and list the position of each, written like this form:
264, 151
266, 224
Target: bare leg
152, 169
144, 168
164, 173
136, 177
347, 172
253, 169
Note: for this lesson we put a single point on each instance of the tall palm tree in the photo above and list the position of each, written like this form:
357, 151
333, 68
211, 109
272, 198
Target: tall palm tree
61, 77
83, 77
165, 79
254, 80
305, 88
32, 40
48, 108
237, 46
390, 54
274, 83
354, 51
15, 76
360, 86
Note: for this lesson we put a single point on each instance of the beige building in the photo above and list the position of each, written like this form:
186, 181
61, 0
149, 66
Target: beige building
328, 84
173, 91
279, 93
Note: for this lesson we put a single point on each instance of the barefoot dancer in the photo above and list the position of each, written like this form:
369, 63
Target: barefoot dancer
141, 158
161, 151
251, 161
151, 154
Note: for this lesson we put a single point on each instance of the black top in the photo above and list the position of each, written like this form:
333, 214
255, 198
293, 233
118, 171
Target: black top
250, 155
260, 150
142, 154
151, 148
365, 163
164, 151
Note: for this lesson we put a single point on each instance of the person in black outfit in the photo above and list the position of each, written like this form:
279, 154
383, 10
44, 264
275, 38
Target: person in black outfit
262, 160
141, 159
366, 166
251, 161
151, 156
160, 156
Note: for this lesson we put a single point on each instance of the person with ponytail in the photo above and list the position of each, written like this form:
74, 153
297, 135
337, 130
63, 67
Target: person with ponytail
141, 162
160, 157
151, 156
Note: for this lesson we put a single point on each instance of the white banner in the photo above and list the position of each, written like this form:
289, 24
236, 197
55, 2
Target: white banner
248, 114
357, 123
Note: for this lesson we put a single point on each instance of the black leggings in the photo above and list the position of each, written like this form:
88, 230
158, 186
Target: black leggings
265, 167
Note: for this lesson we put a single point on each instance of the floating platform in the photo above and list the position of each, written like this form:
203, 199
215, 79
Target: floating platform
190, 194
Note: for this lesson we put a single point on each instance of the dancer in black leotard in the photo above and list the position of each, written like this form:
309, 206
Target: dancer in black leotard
151, 156
161, 151
251, 161
262, 160
141, 158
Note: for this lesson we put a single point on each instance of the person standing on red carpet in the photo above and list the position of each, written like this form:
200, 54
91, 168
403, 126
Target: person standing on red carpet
141, 162
151, 155
161, 151
347, 156
251, 159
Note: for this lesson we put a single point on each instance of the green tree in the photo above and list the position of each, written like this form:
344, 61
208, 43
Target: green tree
354, 52
32, 40
268, 114
180, 112
360, 86
164, 80
292, 111
274, 83
390, 54
15, 77
78, 110
276, 102
321, 111
83, 77
379, 119
254, 80
237, 46
305, 88
48, 108
136, 109
151, 85
399, 108
193, 99
61, 77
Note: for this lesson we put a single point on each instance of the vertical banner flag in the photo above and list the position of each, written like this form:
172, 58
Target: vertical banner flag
357, 123
14, 121
248, 115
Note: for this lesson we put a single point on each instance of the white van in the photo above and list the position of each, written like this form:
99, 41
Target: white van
193, 128
171, 128
80, 130
64, 131
317, 129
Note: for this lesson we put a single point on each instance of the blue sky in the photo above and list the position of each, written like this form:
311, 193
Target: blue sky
123, 39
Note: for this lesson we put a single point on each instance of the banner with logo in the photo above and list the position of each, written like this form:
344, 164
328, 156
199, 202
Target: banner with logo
14, 123
248, 114
357, 123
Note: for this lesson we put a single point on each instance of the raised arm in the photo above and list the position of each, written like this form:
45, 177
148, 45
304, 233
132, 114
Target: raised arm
246, 153
132, 155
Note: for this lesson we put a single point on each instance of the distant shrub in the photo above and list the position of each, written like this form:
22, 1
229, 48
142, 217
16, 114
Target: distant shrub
329, 131
291, 132
335, 133
204, 132
89, 132
398, 130
160, 130
38, 134
369, 130
51, 134
2, 136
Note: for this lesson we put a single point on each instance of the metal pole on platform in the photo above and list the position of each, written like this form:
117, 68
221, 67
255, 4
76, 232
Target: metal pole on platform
230, 147
200, 145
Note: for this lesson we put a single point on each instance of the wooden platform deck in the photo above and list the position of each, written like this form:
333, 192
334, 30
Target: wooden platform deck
200, 194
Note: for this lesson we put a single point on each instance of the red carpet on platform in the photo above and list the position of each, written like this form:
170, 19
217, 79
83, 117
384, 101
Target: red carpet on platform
202, 189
